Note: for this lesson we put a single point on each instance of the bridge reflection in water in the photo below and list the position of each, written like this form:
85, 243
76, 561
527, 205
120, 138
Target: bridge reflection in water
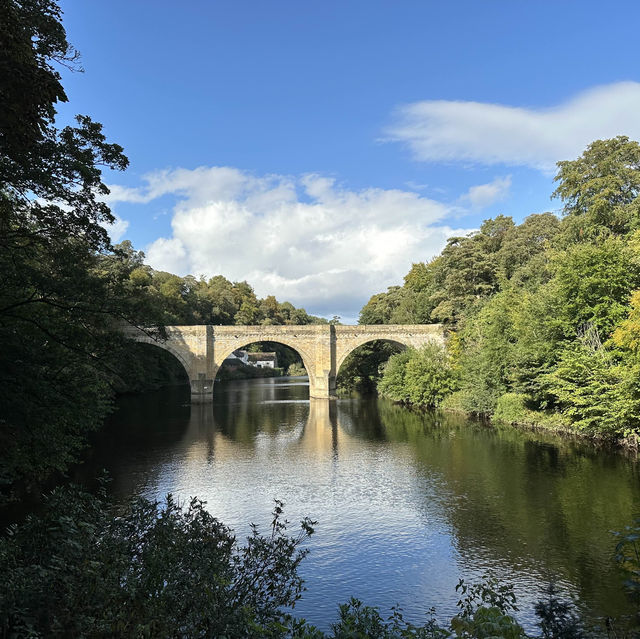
315, 429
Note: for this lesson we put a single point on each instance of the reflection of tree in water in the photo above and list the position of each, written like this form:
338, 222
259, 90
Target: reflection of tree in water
164, 413
162, 417
361, 418
536, 503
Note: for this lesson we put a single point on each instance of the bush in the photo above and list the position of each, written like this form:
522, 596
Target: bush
156, 570
296, 370
512, 409
594, 391
392, 384
460, 401
423, 377
479, 401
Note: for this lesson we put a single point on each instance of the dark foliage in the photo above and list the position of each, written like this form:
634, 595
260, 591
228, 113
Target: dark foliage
155, 570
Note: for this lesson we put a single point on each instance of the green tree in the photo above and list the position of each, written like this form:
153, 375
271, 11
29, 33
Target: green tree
423, 377
392, 384
215, 301
594, 282
429, 376
600, 189
270, 311
468, 274
60, 299
523, 253
487, 353
594, 390
379, 309
627, 333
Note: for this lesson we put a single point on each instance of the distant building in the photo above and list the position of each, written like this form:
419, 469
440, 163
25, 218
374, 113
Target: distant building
259, 360
239, 355
263, 360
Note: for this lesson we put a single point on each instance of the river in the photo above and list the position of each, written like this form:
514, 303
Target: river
407, 502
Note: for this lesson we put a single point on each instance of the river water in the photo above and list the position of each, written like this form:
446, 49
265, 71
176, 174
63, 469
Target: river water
407, 502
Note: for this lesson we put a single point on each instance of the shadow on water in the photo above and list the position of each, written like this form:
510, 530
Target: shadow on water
142, 428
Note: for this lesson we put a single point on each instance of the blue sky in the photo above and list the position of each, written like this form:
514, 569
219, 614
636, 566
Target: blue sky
317, 149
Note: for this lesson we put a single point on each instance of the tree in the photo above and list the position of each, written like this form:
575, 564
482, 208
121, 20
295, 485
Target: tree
50, 179
524, 248
212, 301
468, 273
596, 392
59, 301
379, 309
270, 310
423, 377
600, 189
627, 333
595, 281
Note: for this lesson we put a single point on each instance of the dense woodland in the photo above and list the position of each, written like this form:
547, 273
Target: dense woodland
543, 316
544, 319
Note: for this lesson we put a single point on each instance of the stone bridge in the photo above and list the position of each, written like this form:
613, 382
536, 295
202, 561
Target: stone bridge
322, 347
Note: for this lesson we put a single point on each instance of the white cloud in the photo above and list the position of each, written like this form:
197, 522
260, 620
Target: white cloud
483, 195
306, 239
444, 130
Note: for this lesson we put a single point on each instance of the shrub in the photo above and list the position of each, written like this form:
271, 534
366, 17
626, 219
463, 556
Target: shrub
423, 377
478, 401
155, 570
512, 409
392, 384
296, 370
594, 391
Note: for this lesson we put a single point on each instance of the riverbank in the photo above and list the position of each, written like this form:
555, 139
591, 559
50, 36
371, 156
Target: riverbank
511, 411
628, 444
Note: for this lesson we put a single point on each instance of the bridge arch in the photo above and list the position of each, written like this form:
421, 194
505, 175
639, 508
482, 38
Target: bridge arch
294, 345
342, 357
169, 348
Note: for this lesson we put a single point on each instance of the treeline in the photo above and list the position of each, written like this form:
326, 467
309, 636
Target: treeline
175, 300
543, 316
